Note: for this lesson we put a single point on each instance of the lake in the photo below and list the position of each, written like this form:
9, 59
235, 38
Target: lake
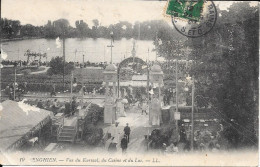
95, 50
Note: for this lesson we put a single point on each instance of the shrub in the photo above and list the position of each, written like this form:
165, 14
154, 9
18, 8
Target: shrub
93, 135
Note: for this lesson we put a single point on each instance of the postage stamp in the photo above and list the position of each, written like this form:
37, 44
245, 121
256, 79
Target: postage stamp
192, 18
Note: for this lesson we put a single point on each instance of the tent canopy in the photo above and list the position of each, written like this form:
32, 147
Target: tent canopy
16, 120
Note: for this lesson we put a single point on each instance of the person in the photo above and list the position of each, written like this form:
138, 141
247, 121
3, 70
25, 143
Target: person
165, 99
120, 108
55, 107
164, 148
127, 131
182, 134
130, 99
7, 91
73, 105
11, 93
216, 149
211, 146
202, 146
175, 148
144, 107
169, 95
115, 137
94, 92
67, 109
39, 104
138, 96
187, 146
84, 90
124, 144
130, 90
145, 142
53, 93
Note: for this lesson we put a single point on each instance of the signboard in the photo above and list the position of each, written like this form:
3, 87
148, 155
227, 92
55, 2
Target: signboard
200, 116
110, 78
177, 115
157, 78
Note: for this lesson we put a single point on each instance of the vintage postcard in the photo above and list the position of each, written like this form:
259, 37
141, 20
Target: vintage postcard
129, 82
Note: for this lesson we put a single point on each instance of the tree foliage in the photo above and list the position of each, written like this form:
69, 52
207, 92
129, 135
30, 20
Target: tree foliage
225, 67
57, 66
227, 70
143, 30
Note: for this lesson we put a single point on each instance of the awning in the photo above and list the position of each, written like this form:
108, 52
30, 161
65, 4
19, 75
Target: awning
18, 120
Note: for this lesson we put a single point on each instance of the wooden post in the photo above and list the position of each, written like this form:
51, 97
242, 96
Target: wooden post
192, 114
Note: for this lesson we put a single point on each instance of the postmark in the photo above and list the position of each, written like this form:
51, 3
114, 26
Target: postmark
192, 18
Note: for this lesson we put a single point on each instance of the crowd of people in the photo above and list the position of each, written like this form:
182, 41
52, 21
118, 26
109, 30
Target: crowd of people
84, 90
168, 95
68, 107
203, 139
16, 91
23, 63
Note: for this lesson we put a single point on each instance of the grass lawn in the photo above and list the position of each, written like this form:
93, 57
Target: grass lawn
43, 81
19, 70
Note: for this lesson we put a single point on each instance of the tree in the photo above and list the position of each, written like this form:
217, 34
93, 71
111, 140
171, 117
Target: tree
82, 29
61, 27
225, 67
226, 70
96, 23
56, 66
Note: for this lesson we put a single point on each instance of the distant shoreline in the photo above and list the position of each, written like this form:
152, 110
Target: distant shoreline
19, 39
25, 38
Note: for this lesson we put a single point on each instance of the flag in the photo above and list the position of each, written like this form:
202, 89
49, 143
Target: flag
3, 55
112, 35
58, 42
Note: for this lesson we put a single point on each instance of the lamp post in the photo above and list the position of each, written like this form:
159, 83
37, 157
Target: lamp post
192, 110
71, 82
176, 91
14, 80
111, 45
148, 82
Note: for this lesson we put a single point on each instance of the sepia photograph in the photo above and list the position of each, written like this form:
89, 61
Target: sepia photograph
129, 82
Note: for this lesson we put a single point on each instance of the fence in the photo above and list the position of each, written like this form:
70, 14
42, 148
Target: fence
48, 87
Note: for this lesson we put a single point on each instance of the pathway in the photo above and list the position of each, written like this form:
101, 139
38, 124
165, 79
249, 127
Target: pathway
140, 127
42, 71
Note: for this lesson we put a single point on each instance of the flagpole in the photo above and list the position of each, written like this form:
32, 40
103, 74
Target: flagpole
64, 62
176, 91
111, 46
111, 52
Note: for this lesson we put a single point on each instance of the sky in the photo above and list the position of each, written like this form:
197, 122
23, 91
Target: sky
38, 12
